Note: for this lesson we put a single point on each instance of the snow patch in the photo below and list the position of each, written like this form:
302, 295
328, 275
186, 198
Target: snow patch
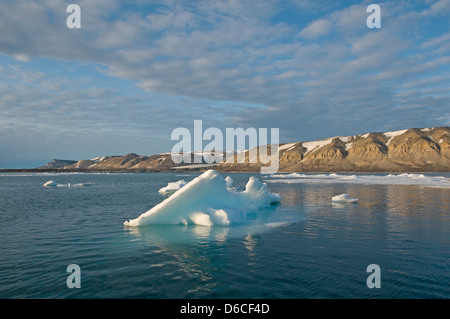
391, 135
286, 147
345, 139
348, 146
365, 135
99, 158
315, 145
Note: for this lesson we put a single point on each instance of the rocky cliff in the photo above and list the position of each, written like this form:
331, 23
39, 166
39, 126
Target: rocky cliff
412, 150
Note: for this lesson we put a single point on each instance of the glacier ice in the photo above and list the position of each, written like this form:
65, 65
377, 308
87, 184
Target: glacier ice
207, 201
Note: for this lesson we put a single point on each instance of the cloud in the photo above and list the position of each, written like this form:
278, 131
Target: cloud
316, 29
84, 118
312, 69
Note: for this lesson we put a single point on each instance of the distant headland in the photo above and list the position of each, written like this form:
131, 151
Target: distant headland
410, 150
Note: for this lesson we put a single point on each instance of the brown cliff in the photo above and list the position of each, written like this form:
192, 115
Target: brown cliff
412, 150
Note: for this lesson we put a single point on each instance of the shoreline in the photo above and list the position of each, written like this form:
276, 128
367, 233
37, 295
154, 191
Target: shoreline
199, 170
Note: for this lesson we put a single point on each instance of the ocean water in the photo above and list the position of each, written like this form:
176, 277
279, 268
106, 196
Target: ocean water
304, 247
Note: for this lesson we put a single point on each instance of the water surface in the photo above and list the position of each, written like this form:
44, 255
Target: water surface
305, 247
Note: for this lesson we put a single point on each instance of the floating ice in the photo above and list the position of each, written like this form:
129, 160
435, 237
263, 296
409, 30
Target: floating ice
172, 187
54, 184
344, 198
207, 201
50, 184
381, 179
229, 182
80, 184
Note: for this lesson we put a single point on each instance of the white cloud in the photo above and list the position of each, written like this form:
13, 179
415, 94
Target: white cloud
21, 57
316, 29
205, 52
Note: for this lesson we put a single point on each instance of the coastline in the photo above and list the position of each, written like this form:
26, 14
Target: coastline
203, 169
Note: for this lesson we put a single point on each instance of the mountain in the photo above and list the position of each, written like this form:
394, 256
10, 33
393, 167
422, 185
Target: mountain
426, 149
159, 162
57, 163
411, 150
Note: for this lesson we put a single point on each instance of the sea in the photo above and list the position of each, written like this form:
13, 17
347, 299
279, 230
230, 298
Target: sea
393, 243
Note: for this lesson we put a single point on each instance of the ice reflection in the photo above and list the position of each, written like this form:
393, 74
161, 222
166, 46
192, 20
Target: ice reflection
178, 234
250, 244
261, 221
195, 254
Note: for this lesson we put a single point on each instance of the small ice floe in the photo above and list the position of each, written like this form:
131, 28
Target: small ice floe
80, 184
343, 198
50, 184
55, 184
172, 187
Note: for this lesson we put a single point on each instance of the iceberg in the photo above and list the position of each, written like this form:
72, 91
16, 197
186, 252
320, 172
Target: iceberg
344, 198
172, 187
207, 201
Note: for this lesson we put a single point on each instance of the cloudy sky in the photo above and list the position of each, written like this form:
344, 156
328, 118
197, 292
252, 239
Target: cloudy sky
136, 70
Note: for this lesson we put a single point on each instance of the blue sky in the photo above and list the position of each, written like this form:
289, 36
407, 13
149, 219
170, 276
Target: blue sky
136, 70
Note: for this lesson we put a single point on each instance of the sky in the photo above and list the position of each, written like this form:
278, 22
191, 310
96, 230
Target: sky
137, 70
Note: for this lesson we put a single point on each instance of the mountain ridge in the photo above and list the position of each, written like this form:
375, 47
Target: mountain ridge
410, 150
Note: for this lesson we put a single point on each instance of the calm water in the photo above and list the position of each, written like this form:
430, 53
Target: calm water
322, 253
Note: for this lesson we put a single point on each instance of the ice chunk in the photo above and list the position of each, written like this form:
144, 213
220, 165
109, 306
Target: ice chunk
172, 187
50, 184
229, 182
207, 201
344, 198
78, 185
55, 184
